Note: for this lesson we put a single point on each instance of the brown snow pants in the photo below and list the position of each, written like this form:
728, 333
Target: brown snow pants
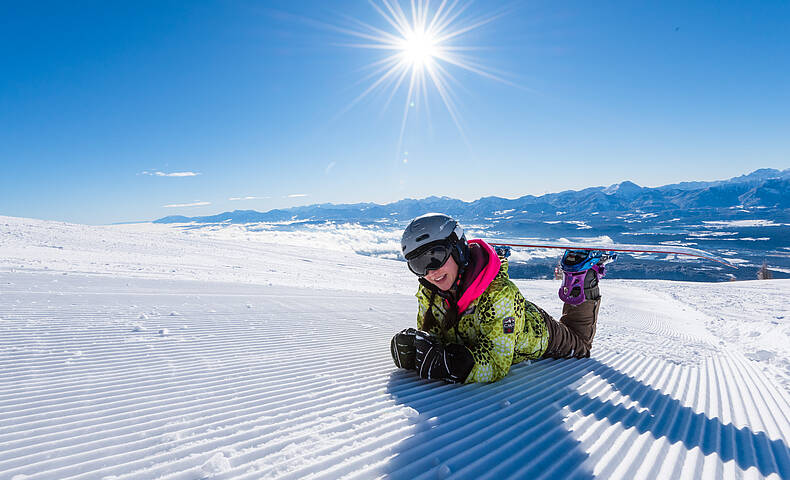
572, 336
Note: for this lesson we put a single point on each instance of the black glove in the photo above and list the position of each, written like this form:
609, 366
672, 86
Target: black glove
402, 348
452, 362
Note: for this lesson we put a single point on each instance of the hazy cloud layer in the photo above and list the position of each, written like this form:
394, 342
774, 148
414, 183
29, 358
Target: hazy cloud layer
247, 198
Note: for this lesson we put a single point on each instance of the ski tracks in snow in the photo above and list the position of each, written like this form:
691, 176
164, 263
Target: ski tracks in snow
105, 377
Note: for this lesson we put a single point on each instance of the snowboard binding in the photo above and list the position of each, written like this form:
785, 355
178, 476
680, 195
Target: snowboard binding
581, 270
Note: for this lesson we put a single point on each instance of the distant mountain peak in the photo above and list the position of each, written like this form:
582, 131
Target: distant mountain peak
762, 174
623, 188
754, 178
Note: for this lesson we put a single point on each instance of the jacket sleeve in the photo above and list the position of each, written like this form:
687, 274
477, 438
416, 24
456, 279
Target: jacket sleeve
495, 340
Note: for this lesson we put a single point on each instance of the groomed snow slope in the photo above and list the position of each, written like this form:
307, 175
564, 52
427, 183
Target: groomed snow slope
126, 375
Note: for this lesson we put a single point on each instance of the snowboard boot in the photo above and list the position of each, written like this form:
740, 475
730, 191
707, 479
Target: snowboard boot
573, 335
581, 270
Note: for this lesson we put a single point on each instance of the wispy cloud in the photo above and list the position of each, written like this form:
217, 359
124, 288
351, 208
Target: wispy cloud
247, 198
329, 167
296, 195
172, 174
179, 205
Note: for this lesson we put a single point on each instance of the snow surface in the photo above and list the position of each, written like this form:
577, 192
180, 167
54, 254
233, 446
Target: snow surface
144, 351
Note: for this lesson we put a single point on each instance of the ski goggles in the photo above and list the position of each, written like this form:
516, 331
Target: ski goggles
431, 258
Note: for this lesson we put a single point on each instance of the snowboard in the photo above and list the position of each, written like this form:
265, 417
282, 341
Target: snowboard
612, 247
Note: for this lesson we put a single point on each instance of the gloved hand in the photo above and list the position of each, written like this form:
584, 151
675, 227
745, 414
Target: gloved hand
459, 361
452, 362
429, 356
402, 348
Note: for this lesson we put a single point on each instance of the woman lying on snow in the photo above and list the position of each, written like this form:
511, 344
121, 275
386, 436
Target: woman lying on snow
473, 323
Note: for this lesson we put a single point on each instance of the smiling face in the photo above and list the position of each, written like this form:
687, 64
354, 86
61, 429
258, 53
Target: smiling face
444, 276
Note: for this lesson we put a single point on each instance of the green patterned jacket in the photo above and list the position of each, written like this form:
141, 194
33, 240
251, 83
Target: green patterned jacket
497, 324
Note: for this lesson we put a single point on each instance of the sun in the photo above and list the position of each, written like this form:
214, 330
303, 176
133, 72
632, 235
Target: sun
421, 47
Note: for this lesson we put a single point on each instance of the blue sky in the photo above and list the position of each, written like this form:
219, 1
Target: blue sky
100, 104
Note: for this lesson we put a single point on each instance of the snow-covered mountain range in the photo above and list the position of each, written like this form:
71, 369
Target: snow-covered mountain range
763, 189
153, 351
745, 219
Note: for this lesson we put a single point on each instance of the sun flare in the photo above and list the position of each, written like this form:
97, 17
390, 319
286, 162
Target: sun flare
421, 51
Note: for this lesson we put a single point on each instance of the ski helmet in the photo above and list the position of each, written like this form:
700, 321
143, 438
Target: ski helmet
432, 229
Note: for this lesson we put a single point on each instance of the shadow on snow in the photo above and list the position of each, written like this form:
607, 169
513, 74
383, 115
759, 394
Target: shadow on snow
515, 428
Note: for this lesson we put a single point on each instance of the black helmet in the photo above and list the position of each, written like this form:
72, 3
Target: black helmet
432, 229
